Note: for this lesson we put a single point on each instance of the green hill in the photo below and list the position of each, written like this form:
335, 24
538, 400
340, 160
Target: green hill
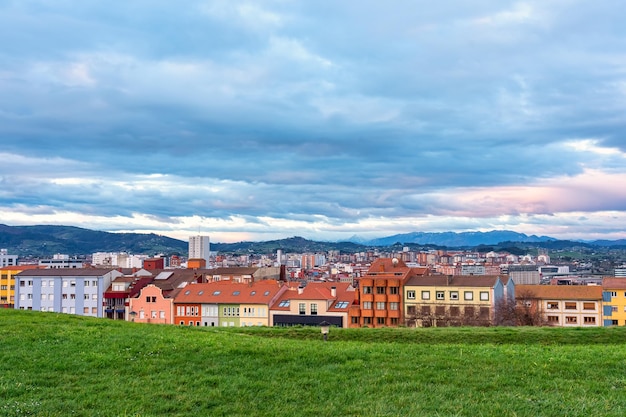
58, 365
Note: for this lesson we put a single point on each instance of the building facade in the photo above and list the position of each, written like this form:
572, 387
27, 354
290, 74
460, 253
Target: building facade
614, 298
71, 290
436, 301
200, 248
563, 305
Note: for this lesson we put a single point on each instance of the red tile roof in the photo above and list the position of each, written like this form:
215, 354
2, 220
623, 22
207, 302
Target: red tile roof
228, 292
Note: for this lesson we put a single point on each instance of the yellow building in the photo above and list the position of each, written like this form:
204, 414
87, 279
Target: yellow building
7, 284
440, 300
614, 296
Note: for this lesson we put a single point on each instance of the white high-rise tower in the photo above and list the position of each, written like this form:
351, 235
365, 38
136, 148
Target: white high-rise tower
199, 248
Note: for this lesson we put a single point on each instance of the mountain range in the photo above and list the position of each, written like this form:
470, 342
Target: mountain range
46, 240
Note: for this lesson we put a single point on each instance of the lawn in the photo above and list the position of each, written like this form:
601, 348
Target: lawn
58, 365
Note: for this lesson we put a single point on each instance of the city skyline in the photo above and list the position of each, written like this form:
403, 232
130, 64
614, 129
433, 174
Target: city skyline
253, 121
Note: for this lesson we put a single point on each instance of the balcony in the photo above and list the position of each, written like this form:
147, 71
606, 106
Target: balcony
380, 313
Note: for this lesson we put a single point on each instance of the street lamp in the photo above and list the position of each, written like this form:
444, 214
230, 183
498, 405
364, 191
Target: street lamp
325, 328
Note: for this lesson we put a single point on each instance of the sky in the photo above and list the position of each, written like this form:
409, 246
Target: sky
260, 120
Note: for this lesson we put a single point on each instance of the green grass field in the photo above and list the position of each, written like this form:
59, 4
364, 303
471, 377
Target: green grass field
60, 365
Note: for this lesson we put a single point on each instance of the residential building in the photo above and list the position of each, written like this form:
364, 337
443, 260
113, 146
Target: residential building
7, 284
61, 261
455, 300
6, 259
227, 303
116, 299
200, 248
155, 302
563, 305
614, 297
379, 301
524, 274
313, 303
70, 290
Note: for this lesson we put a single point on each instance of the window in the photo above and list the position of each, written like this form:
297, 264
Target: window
613, 293
410, 310
425, 295
553, 305
394, 290
394, 321
355, 320
86, 310
589, 320
380, 290
367, 320
441, 295
410, 295
570, 305
22, 283
425, 310
64, 296
51, 297
483, 312
589, 306
553, 319
454, 295
51, 283
469, 311
72, 283
30, 297
30, 283
302, 308
341, 304
94, 310
614, 323
86, 283
614, 309
380, 320
313, 309
468, 295
484, 296
455, 311
394, 306
367, 305
367, 290
440, 310
86, 296
153, 314
380, 305
44, 283
284, 303
571, 320
44, 296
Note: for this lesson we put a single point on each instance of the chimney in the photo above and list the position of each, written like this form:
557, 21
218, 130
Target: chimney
300, 289
333, 291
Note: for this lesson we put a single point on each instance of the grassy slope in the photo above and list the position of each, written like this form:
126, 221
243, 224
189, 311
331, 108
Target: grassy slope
57, 365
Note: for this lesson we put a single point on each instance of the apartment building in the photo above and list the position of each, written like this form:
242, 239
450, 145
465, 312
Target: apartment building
563, 305
155, 302
312, 304
614, 298
67, 290
7, 284
6, 259
227, 303
379, 300
454, 300
117, 297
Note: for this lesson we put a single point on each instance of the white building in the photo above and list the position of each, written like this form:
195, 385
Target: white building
6, 259
61, 261
71, 290
199, 248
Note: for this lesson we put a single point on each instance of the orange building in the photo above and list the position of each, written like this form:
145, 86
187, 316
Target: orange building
378, 301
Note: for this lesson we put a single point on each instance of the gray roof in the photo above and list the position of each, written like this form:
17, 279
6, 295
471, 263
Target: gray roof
66, 272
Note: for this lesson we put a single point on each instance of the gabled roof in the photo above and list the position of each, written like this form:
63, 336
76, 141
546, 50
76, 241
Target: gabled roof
610, 283
228, 292
559, 292
66, 272
488, 281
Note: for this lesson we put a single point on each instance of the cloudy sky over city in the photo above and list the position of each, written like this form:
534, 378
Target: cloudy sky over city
324, 119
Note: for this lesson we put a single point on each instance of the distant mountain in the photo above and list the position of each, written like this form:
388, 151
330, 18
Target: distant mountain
608, 243
49, 240
452, 239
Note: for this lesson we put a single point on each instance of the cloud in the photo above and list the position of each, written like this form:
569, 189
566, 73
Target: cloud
332, 119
